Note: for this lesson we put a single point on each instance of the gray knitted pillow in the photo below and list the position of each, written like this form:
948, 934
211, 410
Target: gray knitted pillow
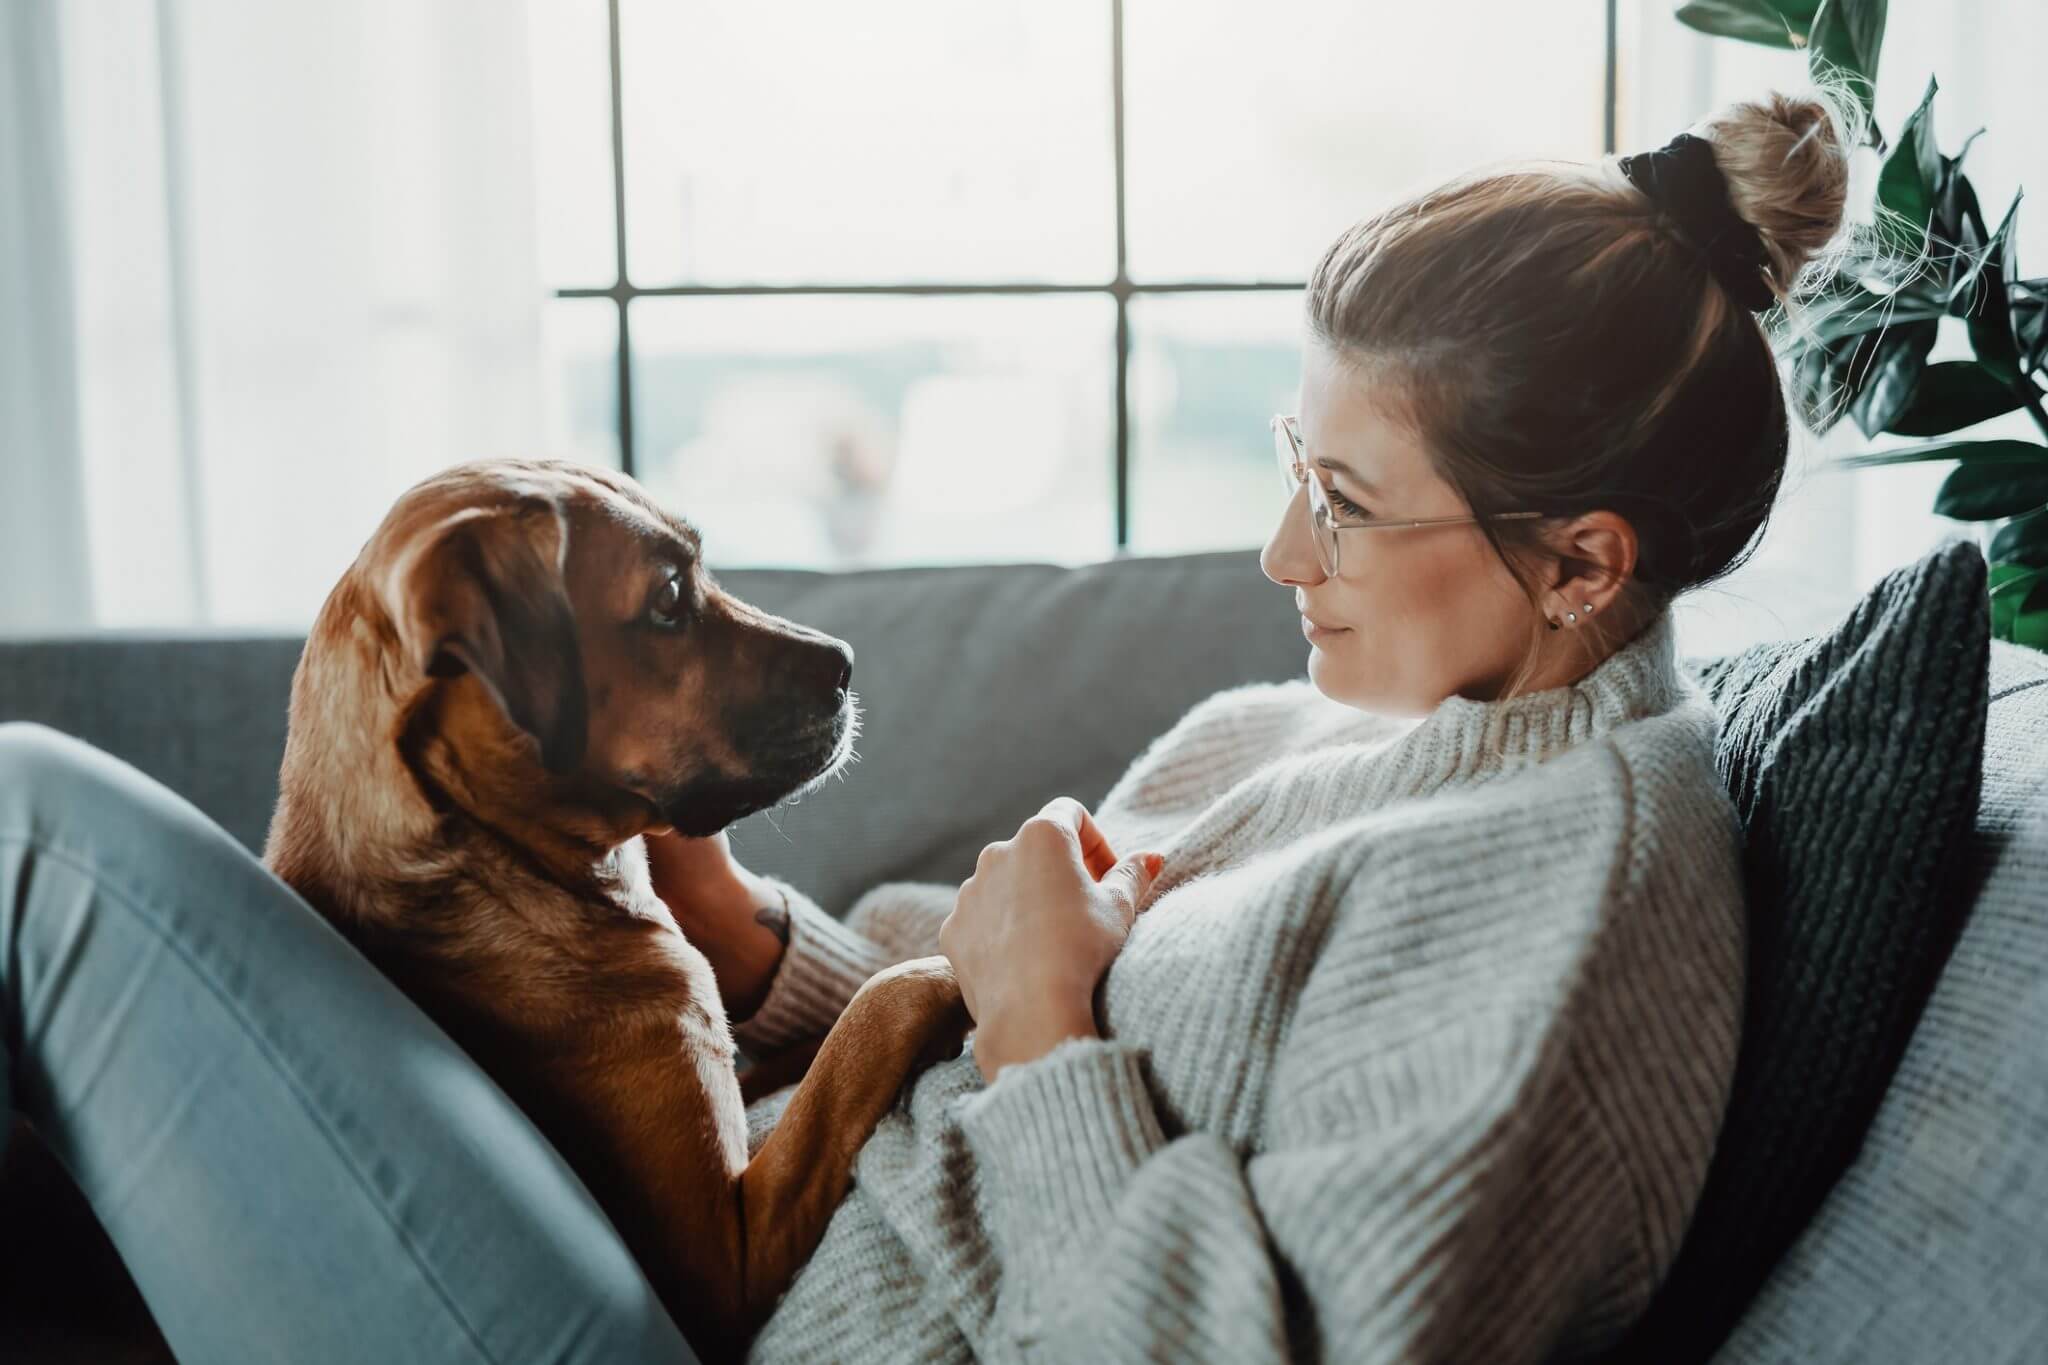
1854, 759
1929, 1248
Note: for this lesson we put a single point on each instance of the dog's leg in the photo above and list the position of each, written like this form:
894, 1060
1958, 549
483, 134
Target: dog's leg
903, 1019
778, 1069
665, 1147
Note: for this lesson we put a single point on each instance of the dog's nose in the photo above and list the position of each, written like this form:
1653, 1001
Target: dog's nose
830, 666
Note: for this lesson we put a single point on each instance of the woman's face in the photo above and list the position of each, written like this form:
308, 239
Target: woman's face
1417, 613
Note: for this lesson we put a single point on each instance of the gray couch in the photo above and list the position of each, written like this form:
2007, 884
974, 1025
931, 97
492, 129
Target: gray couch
989, 690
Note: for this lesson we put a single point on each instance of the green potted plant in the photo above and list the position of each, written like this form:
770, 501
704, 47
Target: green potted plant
1863, 342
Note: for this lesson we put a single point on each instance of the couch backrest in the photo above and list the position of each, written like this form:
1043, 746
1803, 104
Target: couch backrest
202, 714
987, 690
990, 690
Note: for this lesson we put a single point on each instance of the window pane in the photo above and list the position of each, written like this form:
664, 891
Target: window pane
838, 432
1207, 372
824, 142
570, 45
1250, 146
580, 338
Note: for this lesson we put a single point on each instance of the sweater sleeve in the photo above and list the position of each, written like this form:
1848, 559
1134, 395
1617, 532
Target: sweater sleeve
1442, 1202
827, 960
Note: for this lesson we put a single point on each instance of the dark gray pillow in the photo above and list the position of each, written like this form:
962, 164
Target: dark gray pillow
1855, 761
1929, 1248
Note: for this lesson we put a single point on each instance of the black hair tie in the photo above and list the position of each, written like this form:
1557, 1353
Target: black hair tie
1682, 179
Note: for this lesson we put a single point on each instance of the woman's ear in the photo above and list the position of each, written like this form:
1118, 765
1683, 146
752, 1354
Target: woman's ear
1597, 551
483, 592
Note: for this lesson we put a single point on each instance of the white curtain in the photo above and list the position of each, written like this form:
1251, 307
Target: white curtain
43, 573
266, 265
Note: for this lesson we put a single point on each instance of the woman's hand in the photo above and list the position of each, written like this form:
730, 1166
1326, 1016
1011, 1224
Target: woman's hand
1035, 928
729, 914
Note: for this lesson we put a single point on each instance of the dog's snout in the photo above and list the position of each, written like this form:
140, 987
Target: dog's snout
829, 666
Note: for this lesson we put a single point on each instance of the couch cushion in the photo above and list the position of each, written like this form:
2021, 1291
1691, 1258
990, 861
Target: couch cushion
1931, 1246
1854, 759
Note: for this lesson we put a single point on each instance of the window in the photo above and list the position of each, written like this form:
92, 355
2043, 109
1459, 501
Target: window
1000, 281
967, 282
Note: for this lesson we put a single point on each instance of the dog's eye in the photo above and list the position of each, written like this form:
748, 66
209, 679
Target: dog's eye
665, 608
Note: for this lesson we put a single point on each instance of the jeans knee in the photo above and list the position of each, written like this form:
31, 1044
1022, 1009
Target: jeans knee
42, 769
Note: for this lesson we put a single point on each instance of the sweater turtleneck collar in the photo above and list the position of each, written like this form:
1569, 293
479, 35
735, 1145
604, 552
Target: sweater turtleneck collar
1463, 738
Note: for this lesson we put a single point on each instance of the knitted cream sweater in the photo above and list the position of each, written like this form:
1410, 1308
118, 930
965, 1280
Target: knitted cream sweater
1417, 1051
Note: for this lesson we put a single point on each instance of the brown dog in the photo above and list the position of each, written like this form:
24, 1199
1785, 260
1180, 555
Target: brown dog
526, 668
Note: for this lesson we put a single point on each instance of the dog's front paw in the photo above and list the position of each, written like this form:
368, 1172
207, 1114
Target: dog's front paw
931, 976
949, 1028
922, 997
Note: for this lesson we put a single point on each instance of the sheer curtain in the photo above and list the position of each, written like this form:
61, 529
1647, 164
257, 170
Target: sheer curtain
43, 576
276, 262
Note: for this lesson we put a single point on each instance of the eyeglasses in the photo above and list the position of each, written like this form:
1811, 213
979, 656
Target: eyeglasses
1323, 520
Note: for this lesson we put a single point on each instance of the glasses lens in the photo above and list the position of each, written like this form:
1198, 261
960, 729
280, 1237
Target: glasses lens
1323, 525
1294, 473
1290, 462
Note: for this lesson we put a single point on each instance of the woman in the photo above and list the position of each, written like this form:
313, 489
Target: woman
1416, 1046
1411, 1046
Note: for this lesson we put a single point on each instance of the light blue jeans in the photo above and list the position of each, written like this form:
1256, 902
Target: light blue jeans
295, 1162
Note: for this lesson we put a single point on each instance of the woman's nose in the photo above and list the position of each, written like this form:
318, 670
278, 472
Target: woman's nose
1289, 557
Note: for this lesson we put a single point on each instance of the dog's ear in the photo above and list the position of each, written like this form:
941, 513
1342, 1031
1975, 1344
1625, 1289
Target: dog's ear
483, 592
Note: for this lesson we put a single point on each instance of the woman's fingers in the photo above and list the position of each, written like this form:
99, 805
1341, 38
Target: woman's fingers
1095, 850
1096, 854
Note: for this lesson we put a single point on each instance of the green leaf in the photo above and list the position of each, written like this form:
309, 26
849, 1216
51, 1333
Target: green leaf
2030, 628
1867, 373
1969, 452
1821, 379
1774, 23
1981, 247
1911, 177
2015, 582
2013, 590
1953, 395
1852, 309
1987, 301
2024, 538
2030, 324
1984, 492
1883, 387
1958, 221
1849, 35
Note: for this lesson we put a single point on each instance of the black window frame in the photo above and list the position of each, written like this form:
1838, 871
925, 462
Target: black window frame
622, 291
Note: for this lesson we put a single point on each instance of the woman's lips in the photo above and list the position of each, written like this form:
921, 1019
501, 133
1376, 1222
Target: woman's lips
1318, 633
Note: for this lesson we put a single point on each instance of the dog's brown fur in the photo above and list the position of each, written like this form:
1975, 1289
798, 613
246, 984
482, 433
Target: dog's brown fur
485, 719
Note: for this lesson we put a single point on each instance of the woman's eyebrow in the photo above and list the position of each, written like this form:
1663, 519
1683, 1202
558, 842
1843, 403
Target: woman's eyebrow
1370, 488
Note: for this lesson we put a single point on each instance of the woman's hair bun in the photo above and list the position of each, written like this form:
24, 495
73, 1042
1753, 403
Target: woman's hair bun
1785, 158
